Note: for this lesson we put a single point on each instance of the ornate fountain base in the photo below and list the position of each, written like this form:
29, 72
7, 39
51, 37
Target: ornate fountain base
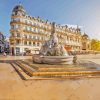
53, 52
53, 59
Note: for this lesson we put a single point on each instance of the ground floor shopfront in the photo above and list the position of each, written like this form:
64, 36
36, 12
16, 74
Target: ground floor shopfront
21, 50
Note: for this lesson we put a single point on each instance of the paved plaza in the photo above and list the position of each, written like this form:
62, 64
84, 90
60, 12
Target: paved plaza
12, 87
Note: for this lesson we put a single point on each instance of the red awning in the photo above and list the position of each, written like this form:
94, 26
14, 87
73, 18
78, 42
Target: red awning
68, 48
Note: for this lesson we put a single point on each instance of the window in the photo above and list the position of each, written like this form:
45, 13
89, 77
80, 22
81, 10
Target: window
13, 13
17, 41
13, 34
38, 44
17, 19
26, 21
25, 36
29, 43
30, 36
25, 42
38, 38
25, 27
18, 34
33, 43
12, 27
34, 24
17, 50
38, 30
12, 19
16, 13
42, 38
30, 28
30, 23
34, 37
34, 30
16, 26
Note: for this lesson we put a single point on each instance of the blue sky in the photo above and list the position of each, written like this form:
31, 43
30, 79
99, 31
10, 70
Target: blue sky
84, 13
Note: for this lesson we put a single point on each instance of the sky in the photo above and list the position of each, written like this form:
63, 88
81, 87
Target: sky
85, 13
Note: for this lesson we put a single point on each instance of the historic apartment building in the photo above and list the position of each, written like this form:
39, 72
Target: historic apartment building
2, 42
29, 33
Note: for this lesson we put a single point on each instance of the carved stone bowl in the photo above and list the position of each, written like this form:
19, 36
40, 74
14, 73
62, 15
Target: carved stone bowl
52, 59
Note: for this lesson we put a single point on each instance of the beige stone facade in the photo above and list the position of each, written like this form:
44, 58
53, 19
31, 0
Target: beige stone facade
86, 42
28, 32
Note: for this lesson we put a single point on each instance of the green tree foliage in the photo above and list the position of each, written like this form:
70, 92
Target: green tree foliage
95, 45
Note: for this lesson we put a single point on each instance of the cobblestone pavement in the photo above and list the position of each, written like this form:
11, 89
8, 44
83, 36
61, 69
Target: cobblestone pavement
12, 87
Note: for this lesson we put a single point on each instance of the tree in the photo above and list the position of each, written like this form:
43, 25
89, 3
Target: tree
95, 45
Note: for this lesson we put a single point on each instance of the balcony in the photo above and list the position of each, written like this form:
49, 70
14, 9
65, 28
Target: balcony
30, 24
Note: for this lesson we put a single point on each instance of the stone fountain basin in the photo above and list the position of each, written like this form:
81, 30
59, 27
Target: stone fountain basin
53, 59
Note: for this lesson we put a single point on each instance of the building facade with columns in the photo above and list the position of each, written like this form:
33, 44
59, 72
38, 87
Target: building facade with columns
29, 33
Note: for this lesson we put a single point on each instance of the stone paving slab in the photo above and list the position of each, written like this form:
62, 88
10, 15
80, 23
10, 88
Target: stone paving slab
12, 87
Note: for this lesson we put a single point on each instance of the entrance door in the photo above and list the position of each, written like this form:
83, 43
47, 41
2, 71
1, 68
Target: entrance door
12, 51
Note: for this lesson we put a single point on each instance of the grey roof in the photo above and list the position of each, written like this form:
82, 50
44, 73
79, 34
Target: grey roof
19, 8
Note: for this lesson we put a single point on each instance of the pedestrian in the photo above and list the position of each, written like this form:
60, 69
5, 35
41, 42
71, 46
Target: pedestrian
4, 54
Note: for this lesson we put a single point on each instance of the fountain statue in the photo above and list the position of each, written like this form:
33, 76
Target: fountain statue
53, 52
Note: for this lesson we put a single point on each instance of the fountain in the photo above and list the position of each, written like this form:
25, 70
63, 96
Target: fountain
53, 52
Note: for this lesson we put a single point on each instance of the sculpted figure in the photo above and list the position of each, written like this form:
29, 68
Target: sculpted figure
53, 52
52, 47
